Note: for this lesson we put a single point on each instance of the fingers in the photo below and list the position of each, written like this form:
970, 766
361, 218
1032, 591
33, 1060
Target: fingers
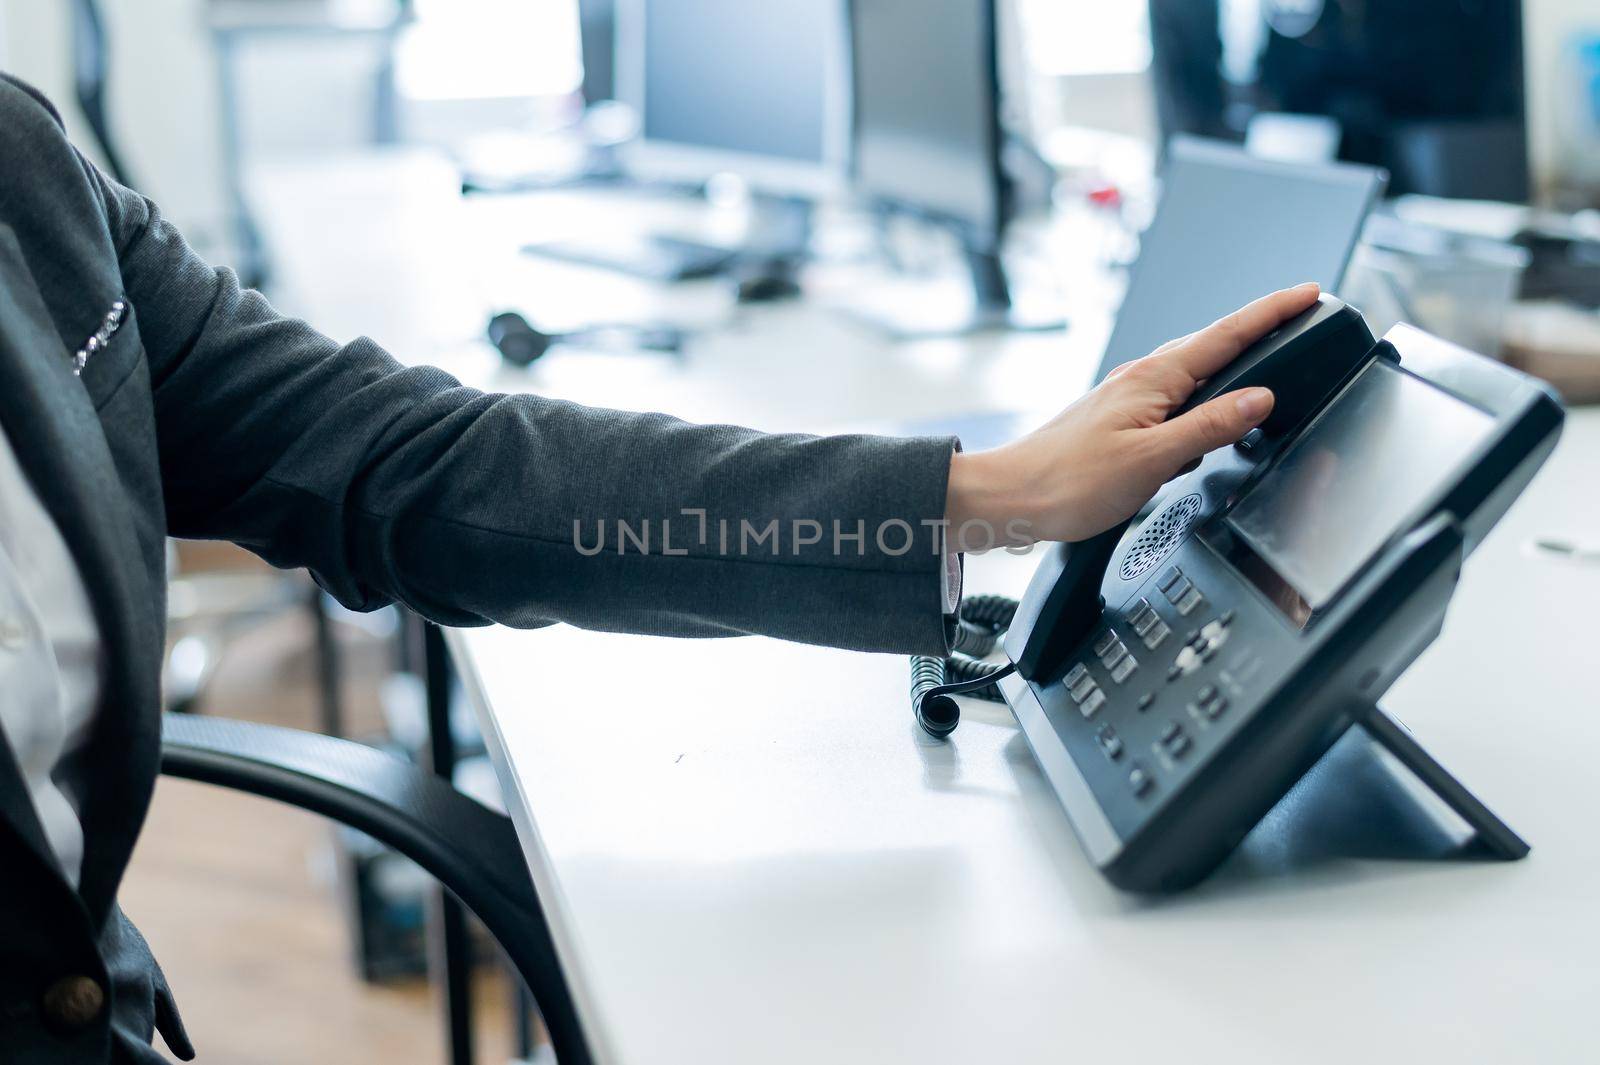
1121, 368
1168, 346
1204, 353
1212, 425
1174, 342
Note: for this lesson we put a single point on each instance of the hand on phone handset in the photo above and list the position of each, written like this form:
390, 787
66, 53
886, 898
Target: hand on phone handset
1266, 365
1097, 462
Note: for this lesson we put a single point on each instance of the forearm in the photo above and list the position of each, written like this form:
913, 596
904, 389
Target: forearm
394, 483
522, 510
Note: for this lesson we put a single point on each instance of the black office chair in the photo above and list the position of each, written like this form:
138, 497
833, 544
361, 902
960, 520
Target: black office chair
471, 850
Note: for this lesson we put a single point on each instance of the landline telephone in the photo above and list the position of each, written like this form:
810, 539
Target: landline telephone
1175, 683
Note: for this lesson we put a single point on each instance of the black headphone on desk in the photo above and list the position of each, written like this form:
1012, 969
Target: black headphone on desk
520, 344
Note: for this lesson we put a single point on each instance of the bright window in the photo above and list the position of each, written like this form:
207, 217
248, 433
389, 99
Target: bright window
1066, 37
477, 49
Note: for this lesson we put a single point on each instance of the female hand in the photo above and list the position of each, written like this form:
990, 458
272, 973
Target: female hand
1098, 461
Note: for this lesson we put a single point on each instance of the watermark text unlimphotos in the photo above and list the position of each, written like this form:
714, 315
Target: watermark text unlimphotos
742, 537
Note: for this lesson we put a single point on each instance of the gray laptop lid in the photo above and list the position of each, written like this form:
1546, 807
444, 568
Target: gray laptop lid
1231, 227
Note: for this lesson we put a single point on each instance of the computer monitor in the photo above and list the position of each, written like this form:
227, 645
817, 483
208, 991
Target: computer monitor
926, 112
1431, 90
926, 141
1231, 227
720, 86
753, 89
597, 34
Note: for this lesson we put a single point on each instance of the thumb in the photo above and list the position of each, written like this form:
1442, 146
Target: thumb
1214, 424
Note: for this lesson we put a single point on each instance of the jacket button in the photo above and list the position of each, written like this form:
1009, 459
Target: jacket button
73, 1002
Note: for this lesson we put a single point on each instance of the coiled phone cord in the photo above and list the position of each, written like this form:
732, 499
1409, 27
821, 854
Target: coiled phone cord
982, 621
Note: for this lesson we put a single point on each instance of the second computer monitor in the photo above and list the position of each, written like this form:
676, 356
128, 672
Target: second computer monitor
756, 89
1229, 228
597, 35
926, 111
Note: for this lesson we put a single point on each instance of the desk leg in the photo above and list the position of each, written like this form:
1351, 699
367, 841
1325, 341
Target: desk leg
524, 1037
449, 948
330, 700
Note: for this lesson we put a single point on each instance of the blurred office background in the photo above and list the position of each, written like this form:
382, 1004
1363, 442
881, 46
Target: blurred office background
326, 148
310, 76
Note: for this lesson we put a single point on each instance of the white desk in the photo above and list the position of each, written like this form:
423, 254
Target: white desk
745, 867
744, 870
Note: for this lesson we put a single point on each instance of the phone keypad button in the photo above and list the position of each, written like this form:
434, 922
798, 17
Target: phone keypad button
1143, 618
1174, 741
1124, 669
1171, 577
1139, 780
1190, 599
1092, 703
1187, 661
1208, 704
1157, 634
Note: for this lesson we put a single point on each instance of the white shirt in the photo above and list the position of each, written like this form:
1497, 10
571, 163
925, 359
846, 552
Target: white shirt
50, 659
950, 582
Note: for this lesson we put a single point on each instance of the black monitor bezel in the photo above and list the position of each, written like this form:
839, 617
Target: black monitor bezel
974, 235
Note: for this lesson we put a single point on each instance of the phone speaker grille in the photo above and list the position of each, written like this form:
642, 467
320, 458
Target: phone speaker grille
1159, 536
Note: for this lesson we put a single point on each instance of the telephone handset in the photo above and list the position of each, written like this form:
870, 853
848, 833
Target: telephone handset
1304, 362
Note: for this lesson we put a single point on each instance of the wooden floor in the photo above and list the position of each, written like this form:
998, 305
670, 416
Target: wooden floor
236, 898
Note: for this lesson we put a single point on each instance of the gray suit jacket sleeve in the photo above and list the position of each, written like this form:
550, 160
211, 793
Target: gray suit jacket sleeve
399, 484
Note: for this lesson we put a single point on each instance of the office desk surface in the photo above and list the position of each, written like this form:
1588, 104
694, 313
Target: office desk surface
750, 854
382, 244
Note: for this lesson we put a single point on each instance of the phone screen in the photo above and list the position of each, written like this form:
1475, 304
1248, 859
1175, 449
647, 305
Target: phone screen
1344, 488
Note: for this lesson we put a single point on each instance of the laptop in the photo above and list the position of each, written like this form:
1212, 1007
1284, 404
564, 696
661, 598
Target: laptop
1230, 227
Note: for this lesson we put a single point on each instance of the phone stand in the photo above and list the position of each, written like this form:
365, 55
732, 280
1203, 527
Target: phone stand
1496, 836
